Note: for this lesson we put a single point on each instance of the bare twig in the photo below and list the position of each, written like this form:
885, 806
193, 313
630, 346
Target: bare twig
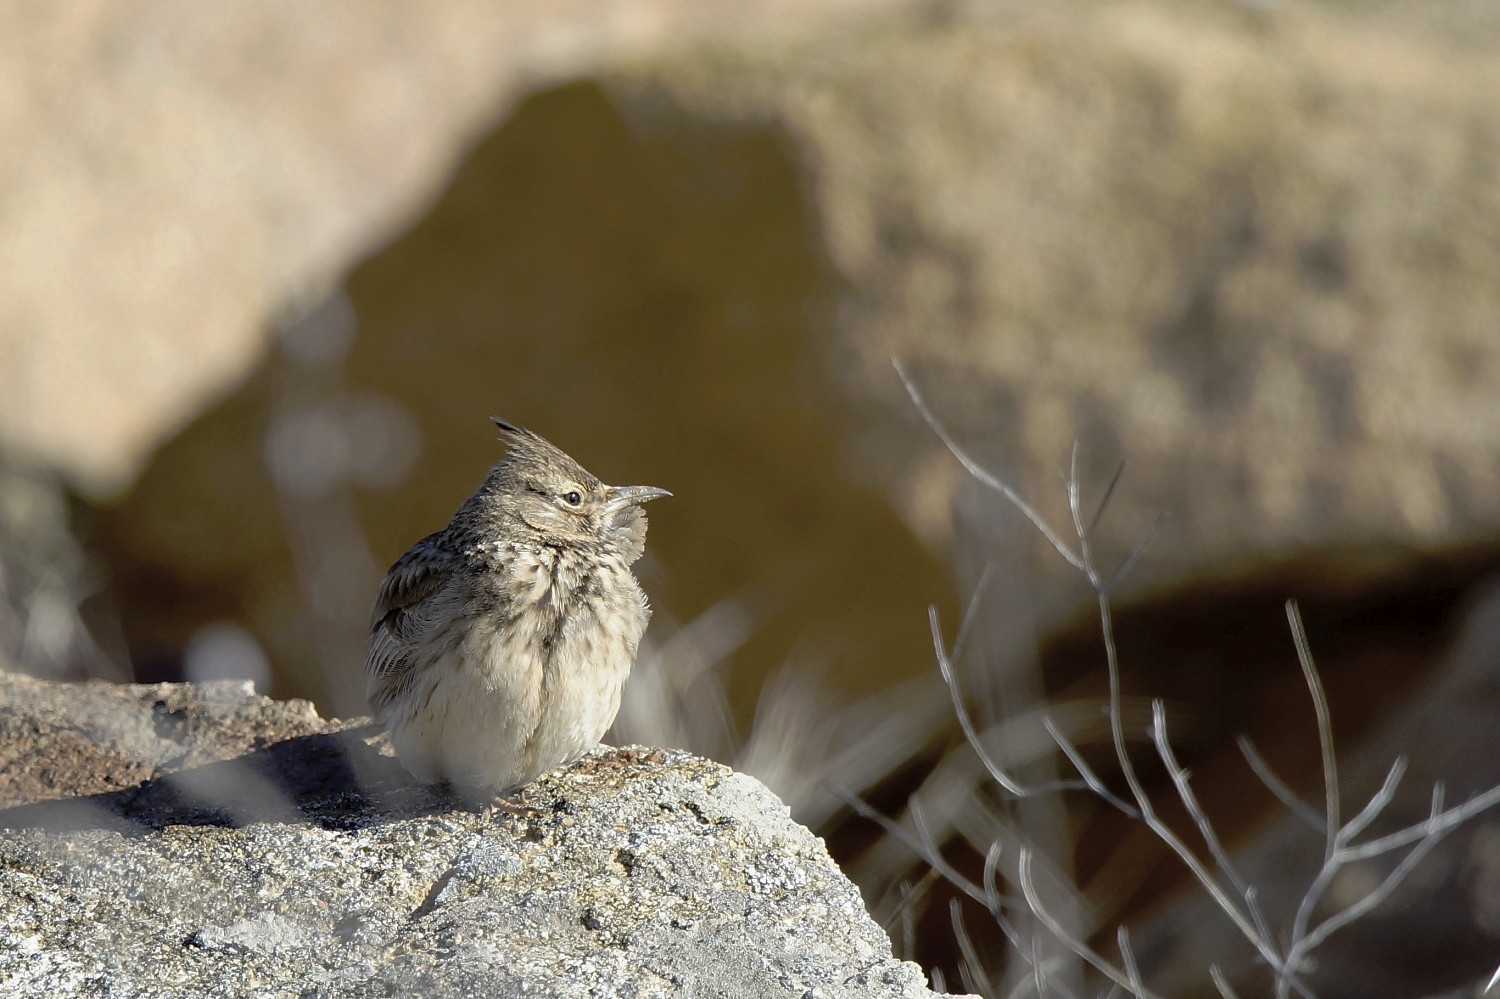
1304, 941
1377, 802
1325, 730
1135, 553
987, 879
1189, 799
915, 844
1090, 779
971, 612
1083, 950
1127, 956
1038, 970
1109, 492
978, 471
1180, 780
1221, 983
1238, 900
910, 899
1455, 816
945, 667
1365, 905
1283, 793
976, 979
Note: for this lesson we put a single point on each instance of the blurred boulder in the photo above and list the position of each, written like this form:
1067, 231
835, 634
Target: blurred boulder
173, 177
62, 742
656, 301
1254, 249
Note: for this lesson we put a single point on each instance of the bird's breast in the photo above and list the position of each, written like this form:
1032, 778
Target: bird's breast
558, 600
564, 641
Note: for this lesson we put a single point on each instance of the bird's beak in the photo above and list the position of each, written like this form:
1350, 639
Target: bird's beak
622, 496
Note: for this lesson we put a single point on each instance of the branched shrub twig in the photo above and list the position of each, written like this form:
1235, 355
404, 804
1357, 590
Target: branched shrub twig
1287, 955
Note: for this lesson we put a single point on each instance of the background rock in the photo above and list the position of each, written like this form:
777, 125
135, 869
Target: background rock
172, 180
1233, 245
304, 865
70, 740
1252, 251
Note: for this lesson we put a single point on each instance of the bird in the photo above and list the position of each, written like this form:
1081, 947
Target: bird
499, 645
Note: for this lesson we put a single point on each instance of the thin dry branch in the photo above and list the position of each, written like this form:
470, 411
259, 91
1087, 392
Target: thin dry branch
978, 471
1090, 779
1331, 823
1241, 907
922, 846
1127, 956
961, 711
1083, 950
1453, 817
1189, 799
1109, 492
1277, 786
976, 979
1221, 983
1378, 801
1374, 898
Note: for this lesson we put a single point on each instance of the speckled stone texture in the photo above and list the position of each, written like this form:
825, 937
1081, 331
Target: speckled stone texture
256, 850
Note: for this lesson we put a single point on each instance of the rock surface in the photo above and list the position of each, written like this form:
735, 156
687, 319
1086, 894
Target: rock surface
206, 841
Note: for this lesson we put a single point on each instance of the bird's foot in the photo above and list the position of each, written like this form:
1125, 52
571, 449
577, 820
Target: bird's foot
506, 806
634, 756
638, 757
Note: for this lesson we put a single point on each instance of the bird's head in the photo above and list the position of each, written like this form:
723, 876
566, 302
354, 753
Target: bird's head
550, 493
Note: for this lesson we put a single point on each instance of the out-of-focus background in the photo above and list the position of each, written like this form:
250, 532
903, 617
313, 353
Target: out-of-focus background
267, 269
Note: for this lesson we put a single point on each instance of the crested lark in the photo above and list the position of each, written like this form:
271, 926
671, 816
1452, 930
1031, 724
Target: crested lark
499, 644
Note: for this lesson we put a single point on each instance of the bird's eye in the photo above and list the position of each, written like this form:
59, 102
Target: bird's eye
572, 498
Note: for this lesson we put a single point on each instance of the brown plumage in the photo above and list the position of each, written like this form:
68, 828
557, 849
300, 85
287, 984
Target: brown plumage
499, 644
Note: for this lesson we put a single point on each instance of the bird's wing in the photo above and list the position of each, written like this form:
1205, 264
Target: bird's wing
409, 613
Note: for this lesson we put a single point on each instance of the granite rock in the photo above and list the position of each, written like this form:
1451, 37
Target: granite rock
220, 843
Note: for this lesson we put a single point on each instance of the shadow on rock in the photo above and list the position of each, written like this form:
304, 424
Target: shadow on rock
336, 780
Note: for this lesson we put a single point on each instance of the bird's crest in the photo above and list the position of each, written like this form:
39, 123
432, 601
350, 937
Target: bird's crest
527, 447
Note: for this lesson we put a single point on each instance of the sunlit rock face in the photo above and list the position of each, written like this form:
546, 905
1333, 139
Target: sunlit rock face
191, 840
